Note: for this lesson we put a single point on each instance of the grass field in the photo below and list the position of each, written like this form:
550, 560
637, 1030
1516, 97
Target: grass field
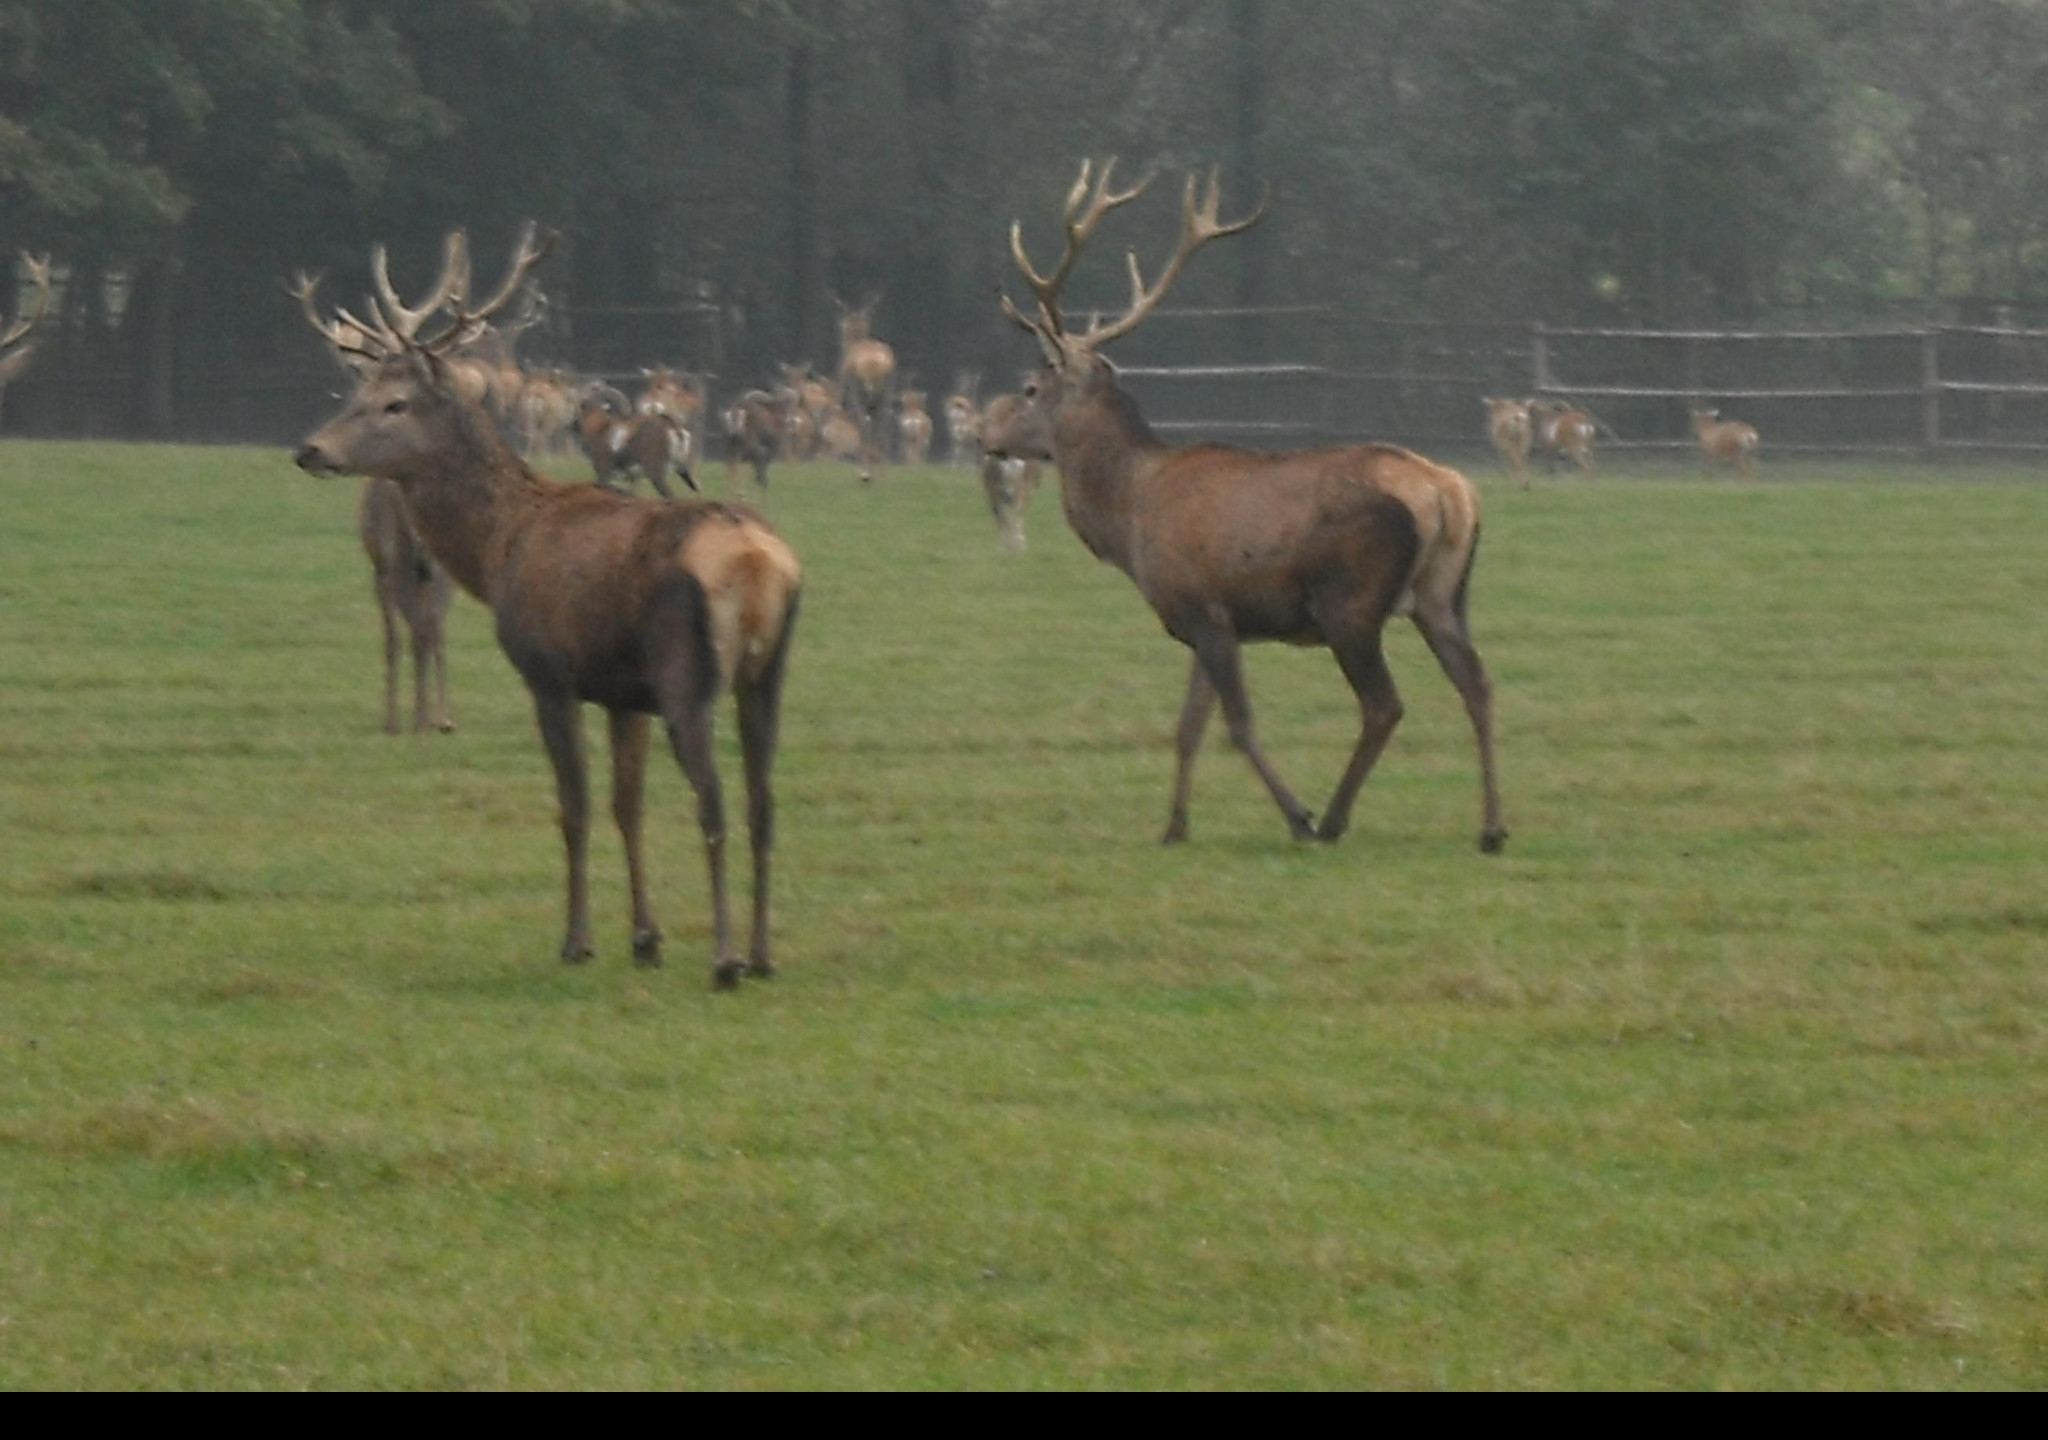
1731, 1072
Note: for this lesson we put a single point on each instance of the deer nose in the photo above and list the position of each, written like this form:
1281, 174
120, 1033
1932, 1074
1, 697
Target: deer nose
310, 460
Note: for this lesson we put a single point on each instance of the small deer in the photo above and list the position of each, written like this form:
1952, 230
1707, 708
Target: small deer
415, 592
641, 607
914, 427
1009, 481
621, 444
867, 367
1725, 442
16, 347
1563, 433
963, 421
1315, 547
755, 430
1509, 426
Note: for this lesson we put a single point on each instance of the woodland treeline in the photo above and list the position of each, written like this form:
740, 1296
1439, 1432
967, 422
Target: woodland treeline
1607, 161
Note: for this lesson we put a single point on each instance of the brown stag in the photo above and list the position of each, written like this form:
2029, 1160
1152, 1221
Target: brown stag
1509, 427
643, 607
15, 345
867, 366
415, 592
1313, 547
1725, 442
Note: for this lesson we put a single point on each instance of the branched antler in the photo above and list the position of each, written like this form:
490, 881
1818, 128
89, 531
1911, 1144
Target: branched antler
1084, 210
1200, 223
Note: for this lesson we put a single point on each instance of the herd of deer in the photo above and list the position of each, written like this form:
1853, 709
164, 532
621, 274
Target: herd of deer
1556, 433
652, 608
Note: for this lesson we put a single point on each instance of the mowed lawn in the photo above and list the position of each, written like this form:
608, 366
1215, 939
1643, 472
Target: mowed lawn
1732, 1071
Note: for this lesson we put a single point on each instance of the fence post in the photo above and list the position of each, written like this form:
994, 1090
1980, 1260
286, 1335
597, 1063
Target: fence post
1930, 391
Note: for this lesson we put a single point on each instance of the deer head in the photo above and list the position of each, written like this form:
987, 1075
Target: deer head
408, 405
1074, 360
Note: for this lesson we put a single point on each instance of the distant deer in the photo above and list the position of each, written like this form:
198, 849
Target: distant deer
1511, 430
755, 429
15, 346
619, 443
963, 420
547, 413
1725, 442
642, 607
1009, 481
1563, 433
1312, 547
411, 590
866, 368
914, 427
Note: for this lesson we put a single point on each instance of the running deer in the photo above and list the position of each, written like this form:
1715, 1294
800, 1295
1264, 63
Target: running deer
15, 345
411, 591
1314, 547
1563, 433
1509, 426
619, 443
867, 366
914, 428
642, 607
1725, 442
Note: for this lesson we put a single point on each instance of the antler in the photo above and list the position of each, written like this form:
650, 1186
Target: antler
1084, 211
405, 321
39, 272
347, 336
535, 245
1200, 223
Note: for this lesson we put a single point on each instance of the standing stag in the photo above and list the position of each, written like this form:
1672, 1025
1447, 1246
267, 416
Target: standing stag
1314, 547
642, 607
867, 366
15, 345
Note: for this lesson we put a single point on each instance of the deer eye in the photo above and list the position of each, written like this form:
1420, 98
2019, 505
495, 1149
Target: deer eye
1031, 390
396, 407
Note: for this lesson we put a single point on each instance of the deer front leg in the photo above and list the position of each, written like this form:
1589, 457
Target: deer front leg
385, 607
561, 730
1194, 719
1217, 651
629, 771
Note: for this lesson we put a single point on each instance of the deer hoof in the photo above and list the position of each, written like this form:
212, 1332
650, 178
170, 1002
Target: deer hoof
1330, 832
1176, 832
647, 949
725, 975
761, 968
1302, 826
1492, 842
446, 727
575, 952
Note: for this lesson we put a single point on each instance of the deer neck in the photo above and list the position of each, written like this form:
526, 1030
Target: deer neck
465, 497
1104, 450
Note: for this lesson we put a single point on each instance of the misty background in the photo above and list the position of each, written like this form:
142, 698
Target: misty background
1447, 174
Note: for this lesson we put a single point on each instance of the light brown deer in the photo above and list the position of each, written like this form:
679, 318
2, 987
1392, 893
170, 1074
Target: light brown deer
1725, 442
914, 427
756, 426
963, 421
1563, 433
643, 607
16, 347
867, 367
414, 592
1312, 547
1008, 481
1511, 430
620, 444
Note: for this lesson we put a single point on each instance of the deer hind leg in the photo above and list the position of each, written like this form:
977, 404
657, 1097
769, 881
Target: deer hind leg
1216, 649
629, 772
1194, 720
1360, 656
1449, 637
561, 731
760, 709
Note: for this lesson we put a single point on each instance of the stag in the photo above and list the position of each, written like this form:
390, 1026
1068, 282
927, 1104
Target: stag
866, 368
1311, 547
642, 607
15, 345
1725, 442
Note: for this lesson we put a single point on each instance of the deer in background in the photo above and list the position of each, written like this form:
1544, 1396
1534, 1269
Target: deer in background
16, 347
415, 592
642, 607
914, 427
1314, 547
1725, 442
867, 366
1009, 481
963, 420
1509, 427
756, 426
1563, 433
620, 442
547, 413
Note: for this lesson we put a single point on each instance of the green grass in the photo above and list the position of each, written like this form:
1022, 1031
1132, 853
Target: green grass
1729, 1073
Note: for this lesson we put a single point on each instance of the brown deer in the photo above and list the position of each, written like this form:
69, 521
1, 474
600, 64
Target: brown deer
1563, 433
1311, 547
1511, 430
963, 421
642, 607
756, 427
16, 347
866, 368
547, 413
914, 427
1009, 481
411, 590
1725, 442
619, 444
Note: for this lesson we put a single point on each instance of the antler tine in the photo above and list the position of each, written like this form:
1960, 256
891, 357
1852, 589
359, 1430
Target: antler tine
39, 272
535, 245
1199, 224
447, 290
1085, 207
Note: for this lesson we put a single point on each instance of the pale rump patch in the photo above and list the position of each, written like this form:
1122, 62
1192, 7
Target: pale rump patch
749, 577
617, 437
